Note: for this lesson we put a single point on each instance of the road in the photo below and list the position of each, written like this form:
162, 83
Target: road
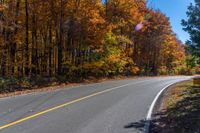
110, 107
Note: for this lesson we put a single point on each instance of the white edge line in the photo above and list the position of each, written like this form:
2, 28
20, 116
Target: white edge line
150, 111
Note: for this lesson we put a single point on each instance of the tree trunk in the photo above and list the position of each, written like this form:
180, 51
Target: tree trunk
60, 44
26, 39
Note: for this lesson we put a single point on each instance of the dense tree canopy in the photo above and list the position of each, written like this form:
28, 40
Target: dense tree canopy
81, 38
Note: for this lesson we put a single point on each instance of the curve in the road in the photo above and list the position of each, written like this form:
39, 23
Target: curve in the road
99, 108
60, 106
150, 112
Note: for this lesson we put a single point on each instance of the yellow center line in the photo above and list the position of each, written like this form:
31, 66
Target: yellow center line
58, 107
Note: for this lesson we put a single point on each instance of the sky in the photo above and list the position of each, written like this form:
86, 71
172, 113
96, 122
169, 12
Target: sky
176, 11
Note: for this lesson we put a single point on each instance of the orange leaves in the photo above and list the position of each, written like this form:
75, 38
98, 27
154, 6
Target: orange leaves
2, 7
92, 36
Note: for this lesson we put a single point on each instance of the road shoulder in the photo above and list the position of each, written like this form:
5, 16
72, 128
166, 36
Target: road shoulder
177, 110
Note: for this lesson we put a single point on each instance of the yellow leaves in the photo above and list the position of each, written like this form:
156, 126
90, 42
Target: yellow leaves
97, 68
93, 65
95, 37
124, 40
113, 58
134, 70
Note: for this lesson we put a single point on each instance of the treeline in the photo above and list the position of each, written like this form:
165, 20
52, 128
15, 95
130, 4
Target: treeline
191, 25
82, 38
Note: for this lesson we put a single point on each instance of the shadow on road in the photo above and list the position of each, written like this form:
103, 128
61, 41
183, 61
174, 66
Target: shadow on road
136, 125
184, 117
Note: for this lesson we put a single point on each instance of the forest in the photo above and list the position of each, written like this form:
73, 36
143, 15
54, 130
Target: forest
70, 40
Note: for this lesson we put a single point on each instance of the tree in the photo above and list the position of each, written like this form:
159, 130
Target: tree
81, 38
191, 25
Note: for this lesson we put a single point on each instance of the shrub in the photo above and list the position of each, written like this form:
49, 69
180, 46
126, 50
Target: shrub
163, 70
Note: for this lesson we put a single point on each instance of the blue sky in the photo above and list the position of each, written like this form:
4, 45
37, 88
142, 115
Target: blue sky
176, 11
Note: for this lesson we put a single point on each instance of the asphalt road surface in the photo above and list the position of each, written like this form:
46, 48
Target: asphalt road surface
108, 107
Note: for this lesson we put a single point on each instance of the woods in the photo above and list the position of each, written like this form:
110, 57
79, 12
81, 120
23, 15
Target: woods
191, 25
83, 38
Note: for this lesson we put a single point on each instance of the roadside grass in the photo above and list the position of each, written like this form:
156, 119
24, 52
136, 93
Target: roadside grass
180, 112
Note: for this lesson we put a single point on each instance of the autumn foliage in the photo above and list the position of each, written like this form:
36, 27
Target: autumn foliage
82, 38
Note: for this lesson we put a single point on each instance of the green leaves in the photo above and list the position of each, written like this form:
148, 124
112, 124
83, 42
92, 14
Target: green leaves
192, 26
